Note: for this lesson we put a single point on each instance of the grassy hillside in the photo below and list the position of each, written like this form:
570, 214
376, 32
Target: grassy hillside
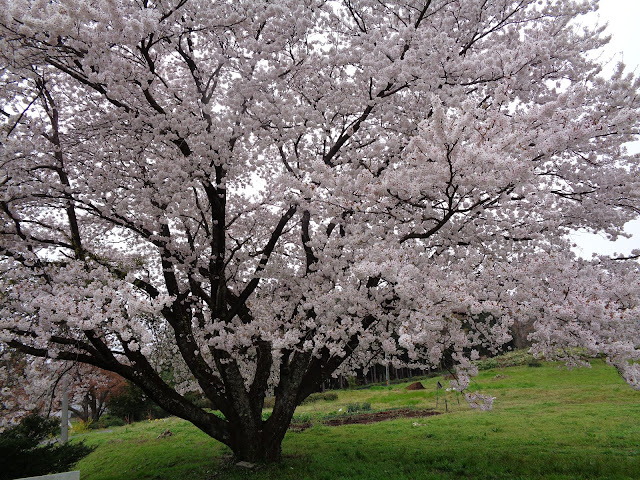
547, 423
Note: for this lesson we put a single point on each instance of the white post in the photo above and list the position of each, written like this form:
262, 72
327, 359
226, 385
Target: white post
64, 433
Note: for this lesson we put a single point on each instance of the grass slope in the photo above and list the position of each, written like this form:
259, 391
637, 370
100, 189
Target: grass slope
547, 423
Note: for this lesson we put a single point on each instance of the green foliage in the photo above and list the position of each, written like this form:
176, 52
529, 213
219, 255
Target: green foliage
383, 387
301, 418
23, 453
269, 402
487, 364
359, 407
132, 405
316, 397
199, 400
510, 359
107, 421
82, 427
219, 414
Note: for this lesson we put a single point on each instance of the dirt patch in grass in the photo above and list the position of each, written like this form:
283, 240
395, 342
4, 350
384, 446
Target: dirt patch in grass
365, 418
415, 386
378, 416
300, 427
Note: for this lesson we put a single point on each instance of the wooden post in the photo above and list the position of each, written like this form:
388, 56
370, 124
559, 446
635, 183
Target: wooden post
64, 420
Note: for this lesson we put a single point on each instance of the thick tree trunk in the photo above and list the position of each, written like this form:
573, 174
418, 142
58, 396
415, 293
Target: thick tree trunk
264, 443
257, 449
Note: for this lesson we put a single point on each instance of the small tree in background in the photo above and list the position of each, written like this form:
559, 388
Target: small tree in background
35, 385
90, 390
131, 404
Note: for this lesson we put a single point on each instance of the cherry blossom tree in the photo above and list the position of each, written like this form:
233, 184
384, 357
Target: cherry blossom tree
15, 403
35, 385
283, 191
90, 390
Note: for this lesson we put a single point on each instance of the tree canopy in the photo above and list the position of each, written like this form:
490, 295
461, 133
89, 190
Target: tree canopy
269, 193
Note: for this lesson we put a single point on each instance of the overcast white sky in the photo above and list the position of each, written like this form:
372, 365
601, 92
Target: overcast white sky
623, 17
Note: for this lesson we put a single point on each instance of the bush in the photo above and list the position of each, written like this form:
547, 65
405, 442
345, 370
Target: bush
510, 359
487, 364
132, 405
515, 359
269, 402
107, 421
83, 427
316, 397
23, 455
199, 400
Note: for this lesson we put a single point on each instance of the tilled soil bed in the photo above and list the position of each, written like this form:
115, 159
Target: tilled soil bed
378, 416
365, 418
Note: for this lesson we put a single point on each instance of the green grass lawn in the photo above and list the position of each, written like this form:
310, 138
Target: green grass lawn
547, 423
